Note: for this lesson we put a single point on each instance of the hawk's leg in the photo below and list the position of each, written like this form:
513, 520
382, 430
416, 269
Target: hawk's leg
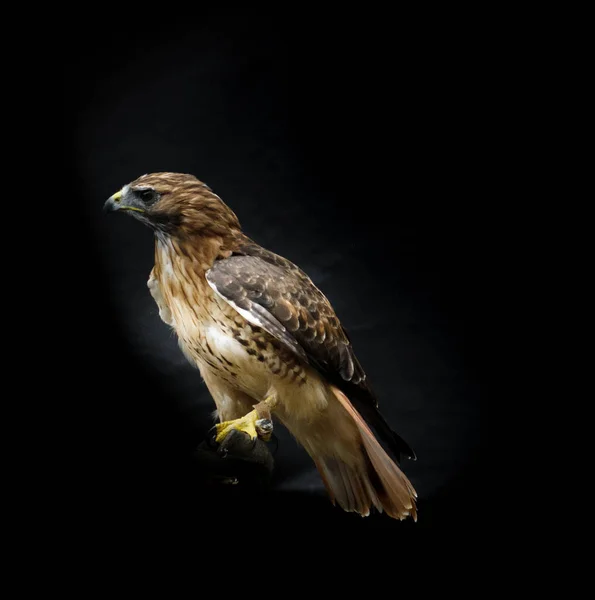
257, 423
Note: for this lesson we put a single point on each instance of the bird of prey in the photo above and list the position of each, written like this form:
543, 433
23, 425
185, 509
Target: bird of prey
266, 341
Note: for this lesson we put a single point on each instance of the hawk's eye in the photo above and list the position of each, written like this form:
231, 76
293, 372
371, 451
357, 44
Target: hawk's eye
147, 195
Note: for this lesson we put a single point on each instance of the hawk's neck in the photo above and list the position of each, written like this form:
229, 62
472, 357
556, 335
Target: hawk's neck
181, 265
179, 272
189, 257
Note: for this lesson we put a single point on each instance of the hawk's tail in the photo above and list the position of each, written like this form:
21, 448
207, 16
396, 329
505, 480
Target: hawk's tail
374, 481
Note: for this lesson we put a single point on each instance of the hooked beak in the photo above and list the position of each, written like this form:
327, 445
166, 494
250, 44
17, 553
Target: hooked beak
114, 203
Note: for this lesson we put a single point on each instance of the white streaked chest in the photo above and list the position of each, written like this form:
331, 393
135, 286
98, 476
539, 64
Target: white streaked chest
220, 350
211, 333
179, 288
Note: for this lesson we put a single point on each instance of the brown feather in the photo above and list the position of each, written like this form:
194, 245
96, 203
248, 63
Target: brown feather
396, 493
262, 282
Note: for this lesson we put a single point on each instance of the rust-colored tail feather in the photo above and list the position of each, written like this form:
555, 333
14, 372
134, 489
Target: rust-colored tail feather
378, 481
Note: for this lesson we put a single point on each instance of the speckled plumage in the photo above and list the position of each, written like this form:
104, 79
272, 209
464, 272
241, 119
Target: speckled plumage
256, 326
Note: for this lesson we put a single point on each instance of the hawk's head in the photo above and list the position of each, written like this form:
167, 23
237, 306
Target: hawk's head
175, 204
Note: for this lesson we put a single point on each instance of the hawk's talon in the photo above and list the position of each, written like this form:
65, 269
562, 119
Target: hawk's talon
264, 428
251, 424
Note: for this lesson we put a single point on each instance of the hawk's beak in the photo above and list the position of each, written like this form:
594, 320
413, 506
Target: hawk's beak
113, 203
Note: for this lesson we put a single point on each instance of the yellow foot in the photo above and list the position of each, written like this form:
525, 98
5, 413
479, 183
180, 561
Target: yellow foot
251, 424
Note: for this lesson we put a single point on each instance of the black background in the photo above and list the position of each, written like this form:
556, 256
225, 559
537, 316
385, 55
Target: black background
346, 146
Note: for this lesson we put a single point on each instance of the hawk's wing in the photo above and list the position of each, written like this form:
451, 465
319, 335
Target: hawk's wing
276, 295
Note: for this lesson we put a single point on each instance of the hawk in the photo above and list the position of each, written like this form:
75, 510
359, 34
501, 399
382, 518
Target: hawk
266, 341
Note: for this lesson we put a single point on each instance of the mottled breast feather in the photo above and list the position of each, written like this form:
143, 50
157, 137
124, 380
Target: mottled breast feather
276, 295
